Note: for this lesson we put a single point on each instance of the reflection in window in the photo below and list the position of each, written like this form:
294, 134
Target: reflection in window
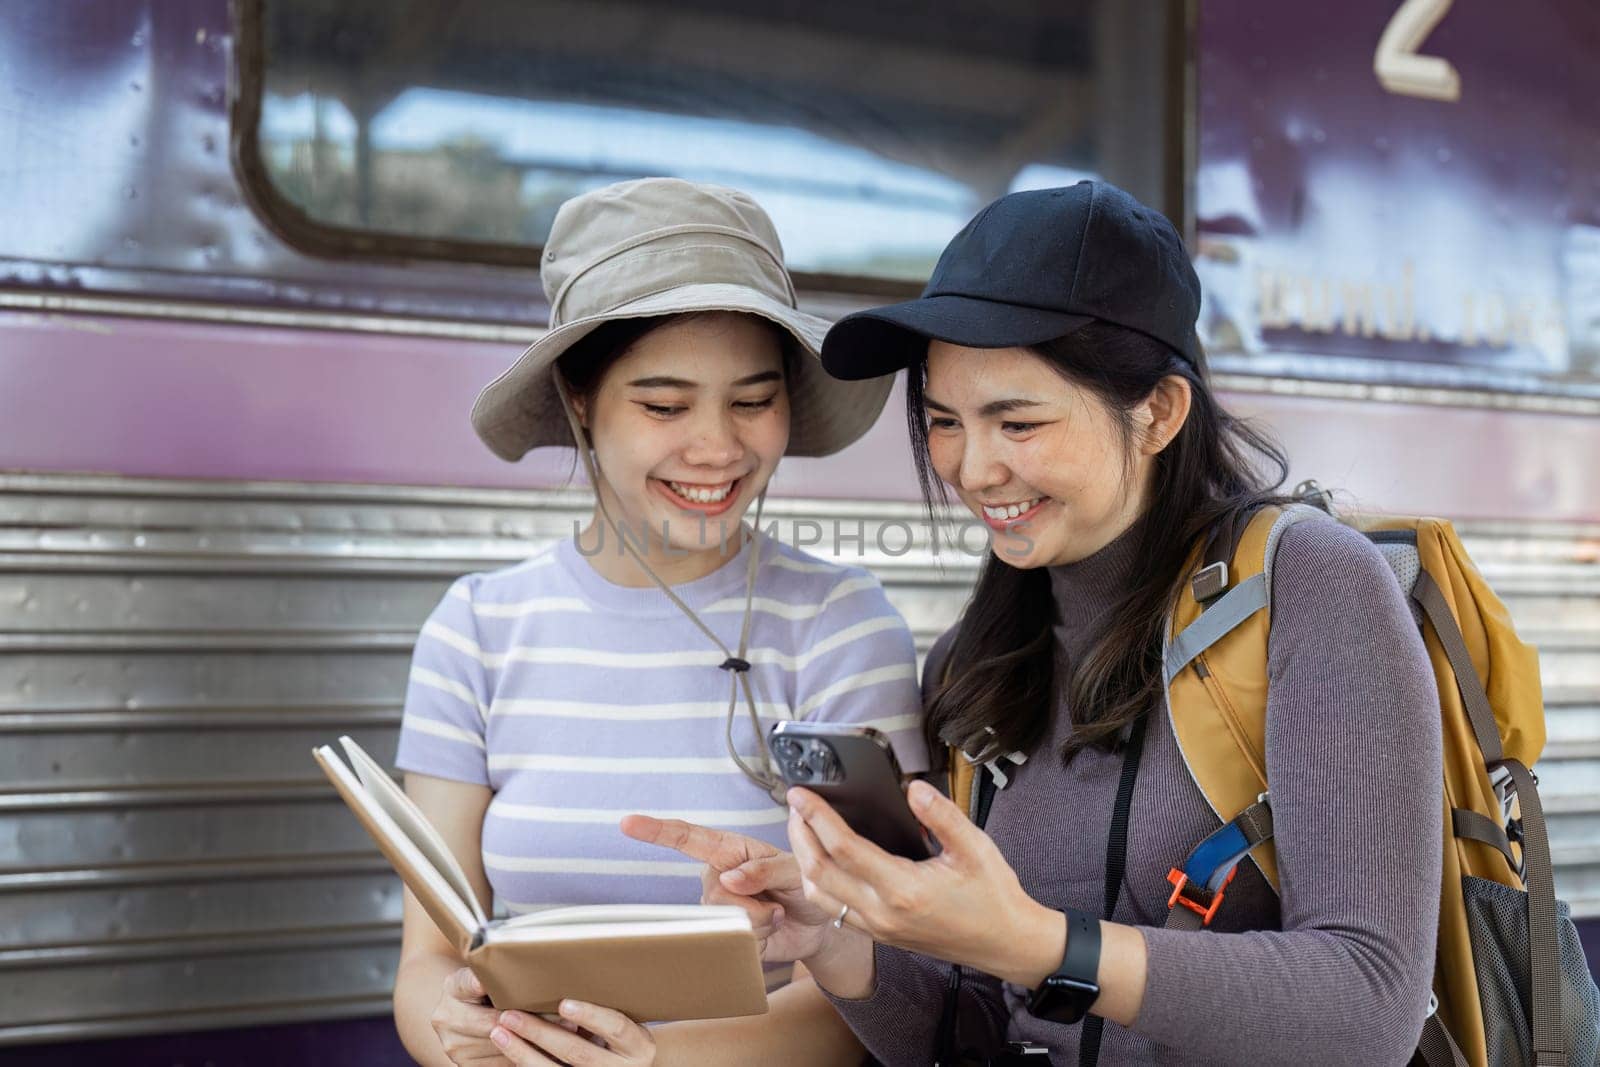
870, 139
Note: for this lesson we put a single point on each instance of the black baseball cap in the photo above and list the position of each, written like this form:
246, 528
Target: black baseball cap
1031, 267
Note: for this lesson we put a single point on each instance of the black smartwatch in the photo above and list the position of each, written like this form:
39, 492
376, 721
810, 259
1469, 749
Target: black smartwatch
1064, 997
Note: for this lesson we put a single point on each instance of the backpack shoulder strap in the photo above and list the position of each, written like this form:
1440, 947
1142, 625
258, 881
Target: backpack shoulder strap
968, 785
1216, 667
961, 772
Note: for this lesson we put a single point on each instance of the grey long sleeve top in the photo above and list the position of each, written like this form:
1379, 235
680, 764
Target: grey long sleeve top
1336, 971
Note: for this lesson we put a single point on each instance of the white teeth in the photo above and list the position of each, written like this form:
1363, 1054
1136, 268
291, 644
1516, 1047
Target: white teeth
701, 495
1006, 512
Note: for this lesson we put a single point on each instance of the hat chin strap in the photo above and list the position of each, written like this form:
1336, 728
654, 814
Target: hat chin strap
763, 774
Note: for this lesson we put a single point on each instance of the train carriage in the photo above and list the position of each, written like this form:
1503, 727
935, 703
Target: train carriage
256, 257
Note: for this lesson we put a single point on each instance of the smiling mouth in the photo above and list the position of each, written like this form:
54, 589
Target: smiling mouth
1000, 516
704, 499
703, 494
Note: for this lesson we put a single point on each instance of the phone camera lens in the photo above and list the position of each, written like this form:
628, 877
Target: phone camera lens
822, 762
786, 748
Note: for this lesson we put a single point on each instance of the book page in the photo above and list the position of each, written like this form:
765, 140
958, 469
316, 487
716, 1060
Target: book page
627, 913
615, 921
415, 869
404, 811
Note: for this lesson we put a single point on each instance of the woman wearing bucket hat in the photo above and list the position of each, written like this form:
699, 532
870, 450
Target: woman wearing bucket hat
545, 698
1057, 386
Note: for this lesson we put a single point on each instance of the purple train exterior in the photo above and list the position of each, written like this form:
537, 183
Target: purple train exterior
236, 468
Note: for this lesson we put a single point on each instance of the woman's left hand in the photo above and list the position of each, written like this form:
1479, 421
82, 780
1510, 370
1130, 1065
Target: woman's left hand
587, 1036
964, 905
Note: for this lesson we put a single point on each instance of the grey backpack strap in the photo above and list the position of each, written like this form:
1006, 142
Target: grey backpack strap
1219, 620
1475, 827
1428, 594
1227, 605
1544, 949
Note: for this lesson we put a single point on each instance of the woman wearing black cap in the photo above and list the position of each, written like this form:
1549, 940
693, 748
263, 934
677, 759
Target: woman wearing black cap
1056, 384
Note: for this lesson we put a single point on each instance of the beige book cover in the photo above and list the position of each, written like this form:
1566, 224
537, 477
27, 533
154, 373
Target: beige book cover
654, 963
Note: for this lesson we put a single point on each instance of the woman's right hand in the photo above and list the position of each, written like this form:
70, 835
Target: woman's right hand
463, 1020
750, 874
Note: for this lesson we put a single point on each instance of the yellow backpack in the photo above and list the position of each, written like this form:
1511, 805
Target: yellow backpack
1504, 940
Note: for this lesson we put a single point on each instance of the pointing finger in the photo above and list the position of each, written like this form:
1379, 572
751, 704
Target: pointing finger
718, 848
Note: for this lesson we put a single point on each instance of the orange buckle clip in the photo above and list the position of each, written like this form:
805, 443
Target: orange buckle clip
1206, 904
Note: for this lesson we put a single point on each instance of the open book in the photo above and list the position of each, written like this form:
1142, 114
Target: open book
653, 963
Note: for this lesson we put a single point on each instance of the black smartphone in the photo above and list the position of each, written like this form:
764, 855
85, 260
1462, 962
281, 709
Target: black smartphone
853, 768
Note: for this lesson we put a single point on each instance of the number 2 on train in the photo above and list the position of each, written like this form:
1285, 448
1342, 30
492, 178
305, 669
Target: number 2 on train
1398, 66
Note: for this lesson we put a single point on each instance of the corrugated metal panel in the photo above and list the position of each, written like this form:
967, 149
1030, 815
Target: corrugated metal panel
169, 652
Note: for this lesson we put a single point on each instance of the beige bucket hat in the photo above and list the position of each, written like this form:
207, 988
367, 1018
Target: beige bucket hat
663, 246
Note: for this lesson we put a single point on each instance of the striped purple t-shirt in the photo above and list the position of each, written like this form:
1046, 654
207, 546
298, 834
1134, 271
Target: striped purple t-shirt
578, 701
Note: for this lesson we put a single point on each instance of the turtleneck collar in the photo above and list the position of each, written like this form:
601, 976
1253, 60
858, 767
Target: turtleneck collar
1086, 591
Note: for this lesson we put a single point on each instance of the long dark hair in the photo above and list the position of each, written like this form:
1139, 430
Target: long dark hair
1001, 684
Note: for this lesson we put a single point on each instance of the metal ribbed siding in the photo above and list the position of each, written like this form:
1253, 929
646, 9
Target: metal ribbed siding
169, 652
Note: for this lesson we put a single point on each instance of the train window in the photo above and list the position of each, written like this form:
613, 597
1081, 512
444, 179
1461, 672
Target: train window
871, 132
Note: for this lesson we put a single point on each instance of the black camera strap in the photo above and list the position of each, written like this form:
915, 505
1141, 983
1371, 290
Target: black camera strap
1116, 863
1115, 867
946, 1046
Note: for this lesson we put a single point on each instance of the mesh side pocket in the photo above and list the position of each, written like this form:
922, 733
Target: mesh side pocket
1406, 563
1497, 923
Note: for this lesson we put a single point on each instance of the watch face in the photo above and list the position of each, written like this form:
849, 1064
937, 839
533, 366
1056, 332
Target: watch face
1062, 1000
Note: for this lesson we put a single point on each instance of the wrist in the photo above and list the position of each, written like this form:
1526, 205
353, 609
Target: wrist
845, 965
1067, 994
830, 946
1036, 948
